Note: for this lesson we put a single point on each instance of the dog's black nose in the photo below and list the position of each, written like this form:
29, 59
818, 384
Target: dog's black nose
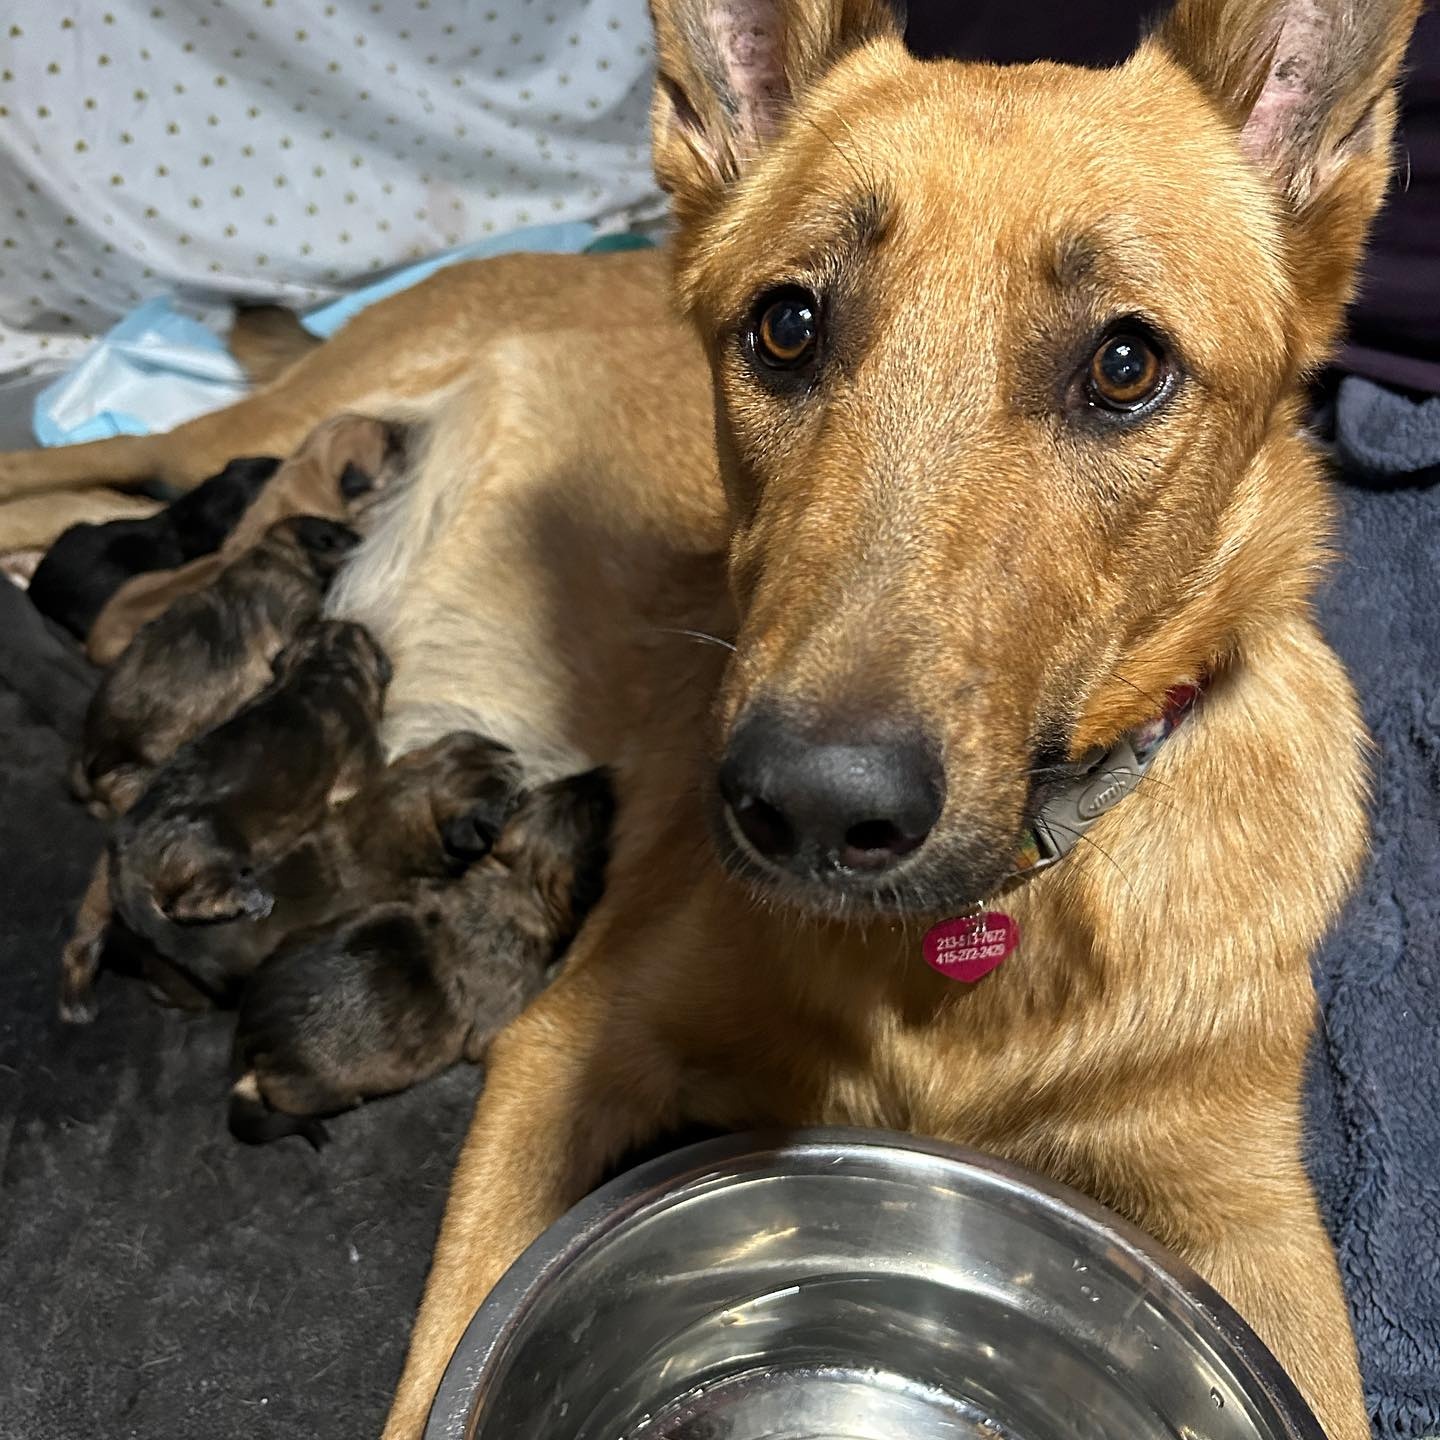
860, 804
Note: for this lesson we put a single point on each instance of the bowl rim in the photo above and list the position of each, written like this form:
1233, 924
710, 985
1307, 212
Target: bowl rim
505, 1310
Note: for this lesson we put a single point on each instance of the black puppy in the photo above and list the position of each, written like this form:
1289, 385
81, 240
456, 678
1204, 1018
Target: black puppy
206, 656
230, 801
401, 991
89, 563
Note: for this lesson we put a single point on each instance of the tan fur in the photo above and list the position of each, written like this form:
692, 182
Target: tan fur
37, 521
267, 340
932, 536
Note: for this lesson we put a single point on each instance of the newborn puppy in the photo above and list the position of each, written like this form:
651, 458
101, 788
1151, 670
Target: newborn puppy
336, 473
230, 801
89, 563
401, 991
424, 817
206, 656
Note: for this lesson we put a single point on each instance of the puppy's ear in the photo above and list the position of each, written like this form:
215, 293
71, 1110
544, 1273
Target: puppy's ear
1309, 87
729, 72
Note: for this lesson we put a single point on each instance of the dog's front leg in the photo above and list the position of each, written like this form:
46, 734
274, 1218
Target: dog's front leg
1279, 1271
571, 1087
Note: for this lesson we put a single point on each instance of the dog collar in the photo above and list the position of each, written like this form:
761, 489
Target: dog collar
1095, 784
968, 947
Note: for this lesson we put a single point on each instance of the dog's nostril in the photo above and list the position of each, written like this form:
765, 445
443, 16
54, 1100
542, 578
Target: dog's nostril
874, 844
764, 827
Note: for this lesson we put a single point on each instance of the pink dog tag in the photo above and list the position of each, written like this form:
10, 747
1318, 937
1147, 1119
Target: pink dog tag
970, 946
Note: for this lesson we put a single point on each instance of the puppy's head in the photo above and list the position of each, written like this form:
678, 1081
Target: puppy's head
207, 514
359, 453
197, 874
337, 650
1007, 368
325, 545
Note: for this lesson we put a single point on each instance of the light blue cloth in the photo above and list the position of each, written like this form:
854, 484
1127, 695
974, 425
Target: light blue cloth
547, 239
159, 368
154, 370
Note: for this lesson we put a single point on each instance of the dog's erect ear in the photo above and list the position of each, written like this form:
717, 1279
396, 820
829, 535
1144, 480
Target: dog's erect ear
728, 71
1309, 86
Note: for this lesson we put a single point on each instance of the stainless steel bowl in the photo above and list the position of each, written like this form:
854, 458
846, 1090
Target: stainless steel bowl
854, 1285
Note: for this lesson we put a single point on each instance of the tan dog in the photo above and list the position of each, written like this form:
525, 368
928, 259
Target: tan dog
338, 465
1007, 368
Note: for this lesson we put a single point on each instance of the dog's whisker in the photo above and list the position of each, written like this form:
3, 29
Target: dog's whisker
1143, 694
702, 637
1082, 839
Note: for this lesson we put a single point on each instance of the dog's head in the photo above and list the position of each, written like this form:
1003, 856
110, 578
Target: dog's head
1007, 366
198, 871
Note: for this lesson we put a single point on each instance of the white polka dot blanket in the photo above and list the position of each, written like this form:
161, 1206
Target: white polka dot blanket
293, 149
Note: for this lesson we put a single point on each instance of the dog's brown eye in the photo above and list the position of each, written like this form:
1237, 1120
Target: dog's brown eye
1125, 372
787, 329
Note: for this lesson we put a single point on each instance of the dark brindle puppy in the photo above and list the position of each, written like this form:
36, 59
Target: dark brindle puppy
425, 817
206, 656
89, 563
403, 990
229, 802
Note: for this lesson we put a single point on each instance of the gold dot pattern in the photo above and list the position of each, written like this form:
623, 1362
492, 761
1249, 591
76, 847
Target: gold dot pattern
287, 149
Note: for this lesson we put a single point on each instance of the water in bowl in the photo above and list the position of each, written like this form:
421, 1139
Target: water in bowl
817, 1402
872, 1356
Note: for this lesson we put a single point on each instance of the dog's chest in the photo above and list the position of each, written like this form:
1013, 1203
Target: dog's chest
949, 1073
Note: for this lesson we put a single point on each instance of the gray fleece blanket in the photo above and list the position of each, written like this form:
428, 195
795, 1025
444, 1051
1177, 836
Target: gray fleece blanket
159, 1281
1375, 1082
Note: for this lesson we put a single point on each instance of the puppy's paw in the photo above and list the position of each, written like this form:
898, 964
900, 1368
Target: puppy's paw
255, 1123
78, 1008
314, 1132
78, 967
469, 837
217, 897
355, 482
